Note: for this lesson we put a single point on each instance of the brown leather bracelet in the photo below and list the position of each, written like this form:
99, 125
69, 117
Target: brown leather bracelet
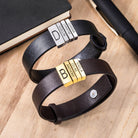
58, 113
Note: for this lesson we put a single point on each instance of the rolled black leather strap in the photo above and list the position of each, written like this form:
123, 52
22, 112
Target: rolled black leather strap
58, 113
45, 42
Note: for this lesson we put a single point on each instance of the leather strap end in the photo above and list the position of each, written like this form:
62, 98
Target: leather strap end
58, 119
47, 112
99, 41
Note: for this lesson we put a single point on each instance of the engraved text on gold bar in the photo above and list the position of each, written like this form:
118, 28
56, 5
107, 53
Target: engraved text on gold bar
71, 72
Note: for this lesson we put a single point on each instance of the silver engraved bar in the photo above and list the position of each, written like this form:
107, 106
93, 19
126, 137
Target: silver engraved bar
71, 28
66, 28
56, 35
63, 33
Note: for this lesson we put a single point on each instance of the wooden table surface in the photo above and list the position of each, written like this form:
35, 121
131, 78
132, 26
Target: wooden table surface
117, 117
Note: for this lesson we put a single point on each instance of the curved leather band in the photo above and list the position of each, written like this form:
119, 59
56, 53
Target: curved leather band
45, 42
57, 113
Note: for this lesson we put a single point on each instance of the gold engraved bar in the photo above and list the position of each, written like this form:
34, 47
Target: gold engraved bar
80, 69
71, 72
64, 75
75, 69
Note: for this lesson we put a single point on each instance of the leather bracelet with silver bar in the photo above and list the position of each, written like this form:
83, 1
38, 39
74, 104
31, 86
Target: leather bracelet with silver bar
58, 35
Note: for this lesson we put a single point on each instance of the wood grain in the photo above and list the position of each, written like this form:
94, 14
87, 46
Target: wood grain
117, 117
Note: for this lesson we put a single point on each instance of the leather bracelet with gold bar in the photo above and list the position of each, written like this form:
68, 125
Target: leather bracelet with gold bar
66, 74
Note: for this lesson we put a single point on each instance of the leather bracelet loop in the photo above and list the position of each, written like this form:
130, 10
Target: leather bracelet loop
83, 103
45, 42
58, 118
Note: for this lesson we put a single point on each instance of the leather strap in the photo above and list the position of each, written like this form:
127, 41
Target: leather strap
45, 42
57, 113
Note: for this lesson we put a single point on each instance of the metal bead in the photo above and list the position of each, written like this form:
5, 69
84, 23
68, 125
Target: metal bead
56, 35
